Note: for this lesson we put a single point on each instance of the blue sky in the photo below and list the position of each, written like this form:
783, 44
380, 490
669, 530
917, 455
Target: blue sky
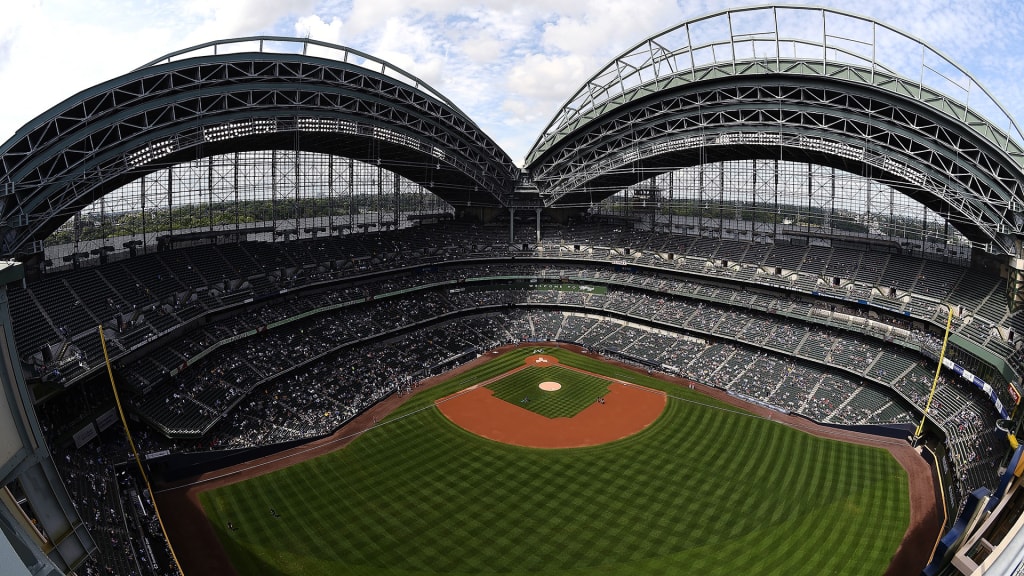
508, 64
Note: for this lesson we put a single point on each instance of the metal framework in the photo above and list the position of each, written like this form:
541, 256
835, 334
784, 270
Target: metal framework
792, 83
263, 194
775, 201
839, 92
58, 541
241, 95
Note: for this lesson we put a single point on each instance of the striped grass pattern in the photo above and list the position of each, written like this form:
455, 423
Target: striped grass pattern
704, 490
578, 390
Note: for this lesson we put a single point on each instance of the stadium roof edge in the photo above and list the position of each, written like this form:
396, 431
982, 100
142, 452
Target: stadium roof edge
586, 91
266, 43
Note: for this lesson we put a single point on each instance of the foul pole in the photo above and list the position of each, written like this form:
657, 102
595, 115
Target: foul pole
935, 381
135, 453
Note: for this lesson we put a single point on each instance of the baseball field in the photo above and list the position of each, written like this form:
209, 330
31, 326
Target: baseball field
691, 486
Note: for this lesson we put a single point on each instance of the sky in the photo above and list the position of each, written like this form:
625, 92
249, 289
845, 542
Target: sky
509, 64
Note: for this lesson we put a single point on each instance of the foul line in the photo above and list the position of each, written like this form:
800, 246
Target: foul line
332, 441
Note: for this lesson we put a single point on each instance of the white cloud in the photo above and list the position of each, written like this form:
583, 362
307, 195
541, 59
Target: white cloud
233, 18
488, 36
413, 47
317, 28
12, 25
367, 16
509, 65
59, 51
546, 80
609, 28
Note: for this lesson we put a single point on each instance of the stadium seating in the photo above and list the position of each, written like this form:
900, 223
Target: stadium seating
206, 371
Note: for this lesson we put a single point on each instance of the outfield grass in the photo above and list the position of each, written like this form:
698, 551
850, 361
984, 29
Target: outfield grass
703, 490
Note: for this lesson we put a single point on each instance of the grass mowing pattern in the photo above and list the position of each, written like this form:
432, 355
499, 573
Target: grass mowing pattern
701, 491
578, 390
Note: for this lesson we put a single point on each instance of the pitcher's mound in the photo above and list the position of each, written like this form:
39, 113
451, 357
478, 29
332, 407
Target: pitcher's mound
550, 386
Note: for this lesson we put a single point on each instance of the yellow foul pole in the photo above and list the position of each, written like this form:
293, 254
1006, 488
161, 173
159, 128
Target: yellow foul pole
135, 453
938, 370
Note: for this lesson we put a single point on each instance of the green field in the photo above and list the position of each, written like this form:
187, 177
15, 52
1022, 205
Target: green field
578, 390
704, 490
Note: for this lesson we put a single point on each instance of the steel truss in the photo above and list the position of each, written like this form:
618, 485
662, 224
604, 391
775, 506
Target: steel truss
181, 110
770, 200
803, 41
925, 155
846, 91
273, 194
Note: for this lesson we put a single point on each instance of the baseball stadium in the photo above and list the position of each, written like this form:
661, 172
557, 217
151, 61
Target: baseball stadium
275, 306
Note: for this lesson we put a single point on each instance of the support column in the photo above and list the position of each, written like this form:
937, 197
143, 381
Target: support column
142, 200
538, 226
27, 461
1015, 281
511, 225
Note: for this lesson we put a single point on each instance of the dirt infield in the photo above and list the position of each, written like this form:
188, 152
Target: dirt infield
625, 411
200, 553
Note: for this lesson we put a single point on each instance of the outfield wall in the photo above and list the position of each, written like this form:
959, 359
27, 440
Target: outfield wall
897, 431
169, 468
178, 466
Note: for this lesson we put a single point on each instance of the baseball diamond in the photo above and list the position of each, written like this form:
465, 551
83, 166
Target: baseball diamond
705, 488
589, 410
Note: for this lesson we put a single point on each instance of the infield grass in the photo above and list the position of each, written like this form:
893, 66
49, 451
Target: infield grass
705, 489
578, 390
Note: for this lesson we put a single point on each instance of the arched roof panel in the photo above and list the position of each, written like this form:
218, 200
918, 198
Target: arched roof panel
787, 40
303, 47
804, 74
801, 75
193, 104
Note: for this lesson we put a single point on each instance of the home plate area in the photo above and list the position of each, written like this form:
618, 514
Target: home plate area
542, 404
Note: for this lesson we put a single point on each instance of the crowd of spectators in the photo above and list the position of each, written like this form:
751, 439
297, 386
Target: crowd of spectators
332, 388
142, 297
283, 366
321, 395
105, 487
823, 344
671, 304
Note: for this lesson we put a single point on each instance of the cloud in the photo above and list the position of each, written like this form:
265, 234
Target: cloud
489, 36
367, 16
544, 80
12, 25
508, 65
233, 18
608, 29
59, 50
315, 27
